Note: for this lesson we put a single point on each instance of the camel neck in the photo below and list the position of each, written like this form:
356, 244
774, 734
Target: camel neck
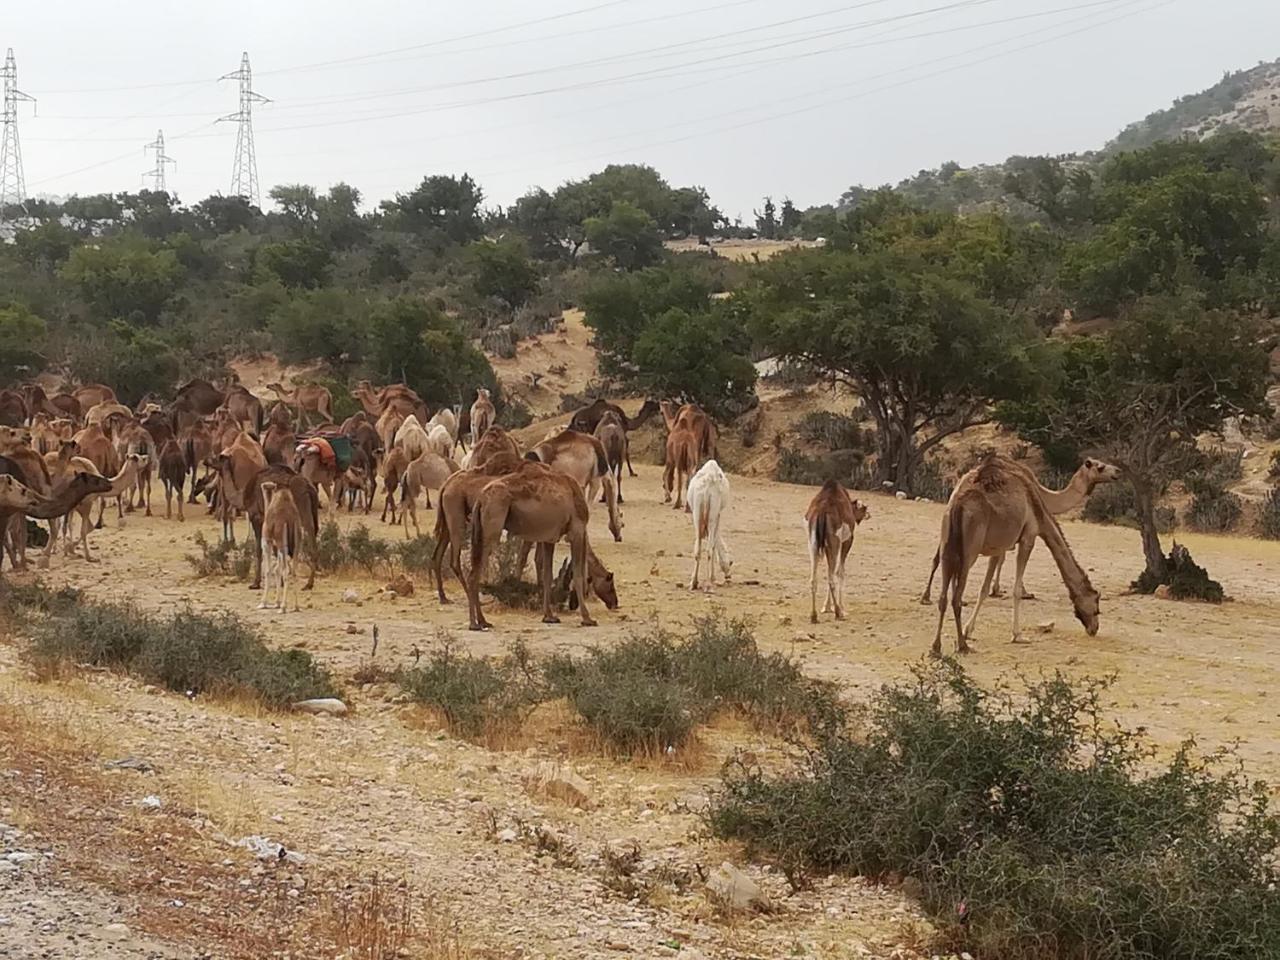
1069, 497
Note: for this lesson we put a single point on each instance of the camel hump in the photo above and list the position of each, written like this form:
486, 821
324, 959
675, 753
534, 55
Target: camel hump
991, 474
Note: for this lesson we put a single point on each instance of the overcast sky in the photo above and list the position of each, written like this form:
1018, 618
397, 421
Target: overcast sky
798, 98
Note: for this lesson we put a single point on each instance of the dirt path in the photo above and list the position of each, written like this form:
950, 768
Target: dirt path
386, 791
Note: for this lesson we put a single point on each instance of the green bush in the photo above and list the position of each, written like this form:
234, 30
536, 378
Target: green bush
222, 558
359, 549
1115, 503
415, 555
474, 695
185, 651
1269, 515
1032, 826
1214, 512
835, 431
650, 692
846, 466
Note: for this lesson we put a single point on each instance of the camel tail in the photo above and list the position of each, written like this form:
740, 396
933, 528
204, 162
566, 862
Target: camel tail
477, 538
952, 550
818, 534
704, 517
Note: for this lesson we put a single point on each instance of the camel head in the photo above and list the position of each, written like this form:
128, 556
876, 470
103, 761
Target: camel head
1086, 604
68, 449
1096, 472
88, 483
649, 408
15, 436
482, 393
268, 488
860, 511
16, 496
669, 410
599, 581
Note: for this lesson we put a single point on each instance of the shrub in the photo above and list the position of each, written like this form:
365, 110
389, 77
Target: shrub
835, 431
930, 482
221, 559
185, 652
650, 692
1214, 512
474, 695
1269, 515
1033, 827
359, 548
1115, 503
514, 415
415, 555
842, 465
1187, 580
1273, 471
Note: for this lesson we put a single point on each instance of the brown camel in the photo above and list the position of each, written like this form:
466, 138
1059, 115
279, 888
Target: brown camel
395, 396
538, 504
281, 540
613, 437
279, 443
679, 464
589, 418
996, 507
89, 395
122, 482
95, 446
428, 472
306, 399
38, 401
1087, 476
482, 415
47, 433
692, 417
394, 465
61, 501
494, 442
832, 518
310, 462
280, 415
245, 409
453, 510
68, 407
133, 438
308, 501
101, 412
387, 424
173, 475
583, 458
200, 396
197, 449
238, 463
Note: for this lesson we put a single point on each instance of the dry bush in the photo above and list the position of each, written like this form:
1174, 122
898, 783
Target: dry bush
382, 920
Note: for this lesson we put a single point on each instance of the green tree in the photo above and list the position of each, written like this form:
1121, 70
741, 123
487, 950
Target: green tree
298, 205
503, 270
767, 220
21, 335
386, 265
219, 215
338, 219
134, 360
123, 278
906, 328
302, 263
619, 306
697, 356
542, 220
331, 325
46, 245
790, 218
410, 340
627, 235
441, 209
1139, 395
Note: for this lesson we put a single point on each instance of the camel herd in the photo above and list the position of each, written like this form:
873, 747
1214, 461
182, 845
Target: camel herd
279, 467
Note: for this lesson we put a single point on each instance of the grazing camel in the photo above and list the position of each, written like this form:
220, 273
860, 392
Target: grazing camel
13, 408
395, 396
589, 418
306, 399
237, 464
428, 472
307, 500
708, 498
680, 462
173, 475
692, 417
394, 464
60, 502
613, 437
582, 457
123, 481
281, 538
1087, 476
832, 518
482, 415
412, 438
996, 507
538, 504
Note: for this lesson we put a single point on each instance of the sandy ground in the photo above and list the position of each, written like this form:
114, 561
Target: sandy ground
387, 791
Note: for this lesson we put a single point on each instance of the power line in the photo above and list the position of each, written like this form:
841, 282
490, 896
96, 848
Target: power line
157, 175
13, 188
244, 175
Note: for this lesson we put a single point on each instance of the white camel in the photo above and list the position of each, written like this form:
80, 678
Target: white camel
708, 496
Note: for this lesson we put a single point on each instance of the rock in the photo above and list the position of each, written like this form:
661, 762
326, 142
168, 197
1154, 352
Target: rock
1046, 627
350, 595
559, 782
352, 629
902, 495
268, 850
802, 637
734, 890
151, 802
7, 867
507, 836
116, 932
19, 856
328, 706
130, 763
1162, 592
401, 586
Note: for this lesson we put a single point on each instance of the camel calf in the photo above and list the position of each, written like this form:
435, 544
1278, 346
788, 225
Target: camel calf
428, 472
832, 518
482, 415
708, 497
680, 462
281, 536
173, 475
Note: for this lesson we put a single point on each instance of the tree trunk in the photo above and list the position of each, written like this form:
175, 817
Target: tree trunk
1144, 498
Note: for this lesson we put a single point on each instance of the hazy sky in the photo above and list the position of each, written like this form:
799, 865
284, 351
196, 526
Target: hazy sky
798, 98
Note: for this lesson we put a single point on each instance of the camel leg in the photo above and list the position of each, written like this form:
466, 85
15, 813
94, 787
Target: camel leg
668, 473
1025, 546
995, 582
992, 564
84, 534
168, 501
630, 470
437, 565
697, 557
814, 549
181, 517
928, 587
264, 565
542, 560
578, 553
408, 509
832, 603
525, 547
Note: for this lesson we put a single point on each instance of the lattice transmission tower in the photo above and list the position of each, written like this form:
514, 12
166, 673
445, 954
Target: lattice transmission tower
157, 174
13, 188
244, 175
